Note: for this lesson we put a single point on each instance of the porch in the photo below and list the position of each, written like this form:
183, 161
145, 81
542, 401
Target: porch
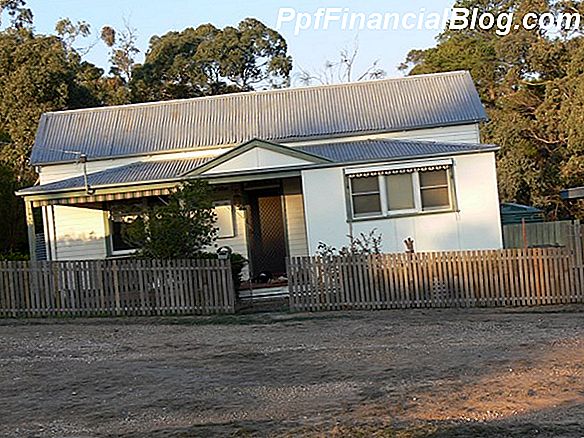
261, 219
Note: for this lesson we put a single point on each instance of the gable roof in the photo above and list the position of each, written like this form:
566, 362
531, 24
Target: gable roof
332, 154
240, 150
413, 102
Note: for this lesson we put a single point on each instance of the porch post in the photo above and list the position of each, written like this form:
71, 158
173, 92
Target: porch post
31, 230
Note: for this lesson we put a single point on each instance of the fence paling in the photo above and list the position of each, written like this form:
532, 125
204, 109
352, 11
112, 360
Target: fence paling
115, 287
517, 277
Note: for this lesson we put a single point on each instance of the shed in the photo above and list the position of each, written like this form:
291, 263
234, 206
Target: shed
512, 213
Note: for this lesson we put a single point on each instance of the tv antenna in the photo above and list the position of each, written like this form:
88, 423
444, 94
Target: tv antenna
81, 159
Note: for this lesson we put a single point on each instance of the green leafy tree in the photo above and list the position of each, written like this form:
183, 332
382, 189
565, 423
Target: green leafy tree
13, 238
208, 61
37, 75
19, 14
123, 50
531, 84
179, 229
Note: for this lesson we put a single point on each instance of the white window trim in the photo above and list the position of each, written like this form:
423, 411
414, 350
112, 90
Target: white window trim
419, 209
362, 216
120, 253
449, 187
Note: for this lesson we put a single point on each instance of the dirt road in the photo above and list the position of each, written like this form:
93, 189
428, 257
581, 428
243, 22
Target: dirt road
396, 373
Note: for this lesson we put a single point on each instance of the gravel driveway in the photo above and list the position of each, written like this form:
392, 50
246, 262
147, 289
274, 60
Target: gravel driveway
390, 373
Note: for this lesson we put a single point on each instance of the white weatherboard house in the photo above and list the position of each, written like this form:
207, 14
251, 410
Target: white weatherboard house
291, 168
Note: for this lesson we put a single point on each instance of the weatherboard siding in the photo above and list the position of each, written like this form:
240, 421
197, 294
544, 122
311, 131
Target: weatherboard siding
456, 134
466, 133
59, 172
237, 243
79, 233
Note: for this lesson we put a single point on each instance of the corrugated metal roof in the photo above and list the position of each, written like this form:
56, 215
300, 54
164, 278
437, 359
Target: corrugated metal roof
366, 107
370, 150
139, 172
338, 153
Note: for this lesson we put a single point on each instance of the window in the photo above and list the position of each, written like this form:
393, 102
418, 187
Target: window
400, 192
118, 223
435, 189
366, 196
225, 219
409, 192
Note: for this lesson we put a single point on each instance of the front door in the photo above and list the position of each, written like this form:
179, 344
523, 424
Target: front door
268, 234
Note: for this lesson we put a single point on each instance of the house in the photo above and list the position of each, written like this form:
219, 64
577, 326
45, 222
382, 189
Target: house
291, 168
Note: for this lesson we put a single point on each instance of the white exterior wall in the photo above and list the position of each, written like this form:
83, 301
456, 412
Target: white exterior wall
238, 243
58, 172
455, 134
75, 233
295, 219
257, 158
475, 226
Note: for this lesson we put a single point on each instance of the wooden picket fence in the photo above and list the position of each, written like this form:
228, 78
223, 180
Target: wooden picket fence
116, 288
516, 277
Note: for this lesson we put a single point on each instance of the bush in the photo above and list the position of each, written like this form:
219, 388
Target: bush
14, 257
179, 229
364, 244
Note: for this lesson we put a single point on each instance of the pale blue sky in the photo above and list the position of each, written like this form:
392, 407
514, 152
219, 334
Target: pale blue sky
310, 49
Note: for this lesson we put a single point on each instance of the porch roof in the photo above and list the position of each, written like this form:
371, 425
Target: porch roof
168, 173
139, 172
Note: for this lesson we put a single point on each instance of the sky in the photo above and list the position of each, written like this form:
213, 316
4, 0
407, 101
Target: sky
310, 49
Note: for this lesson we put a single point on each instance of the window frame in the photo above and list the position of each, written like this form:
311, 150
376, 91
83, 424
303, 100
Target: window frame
353, 195
120, 252
227, 203
449, 185
415, 193
418, 210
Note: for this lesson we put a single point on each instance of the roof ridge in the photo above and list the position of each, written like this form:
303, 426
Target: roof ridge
259, 92
401, 140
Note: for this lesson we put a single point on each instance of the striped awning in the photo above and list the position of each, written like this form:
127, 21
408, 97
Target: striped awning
89, 199
395, 170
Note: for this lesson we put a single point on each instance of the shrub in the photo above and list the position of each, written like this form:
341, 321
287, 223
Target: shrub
180, 229
364, 244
